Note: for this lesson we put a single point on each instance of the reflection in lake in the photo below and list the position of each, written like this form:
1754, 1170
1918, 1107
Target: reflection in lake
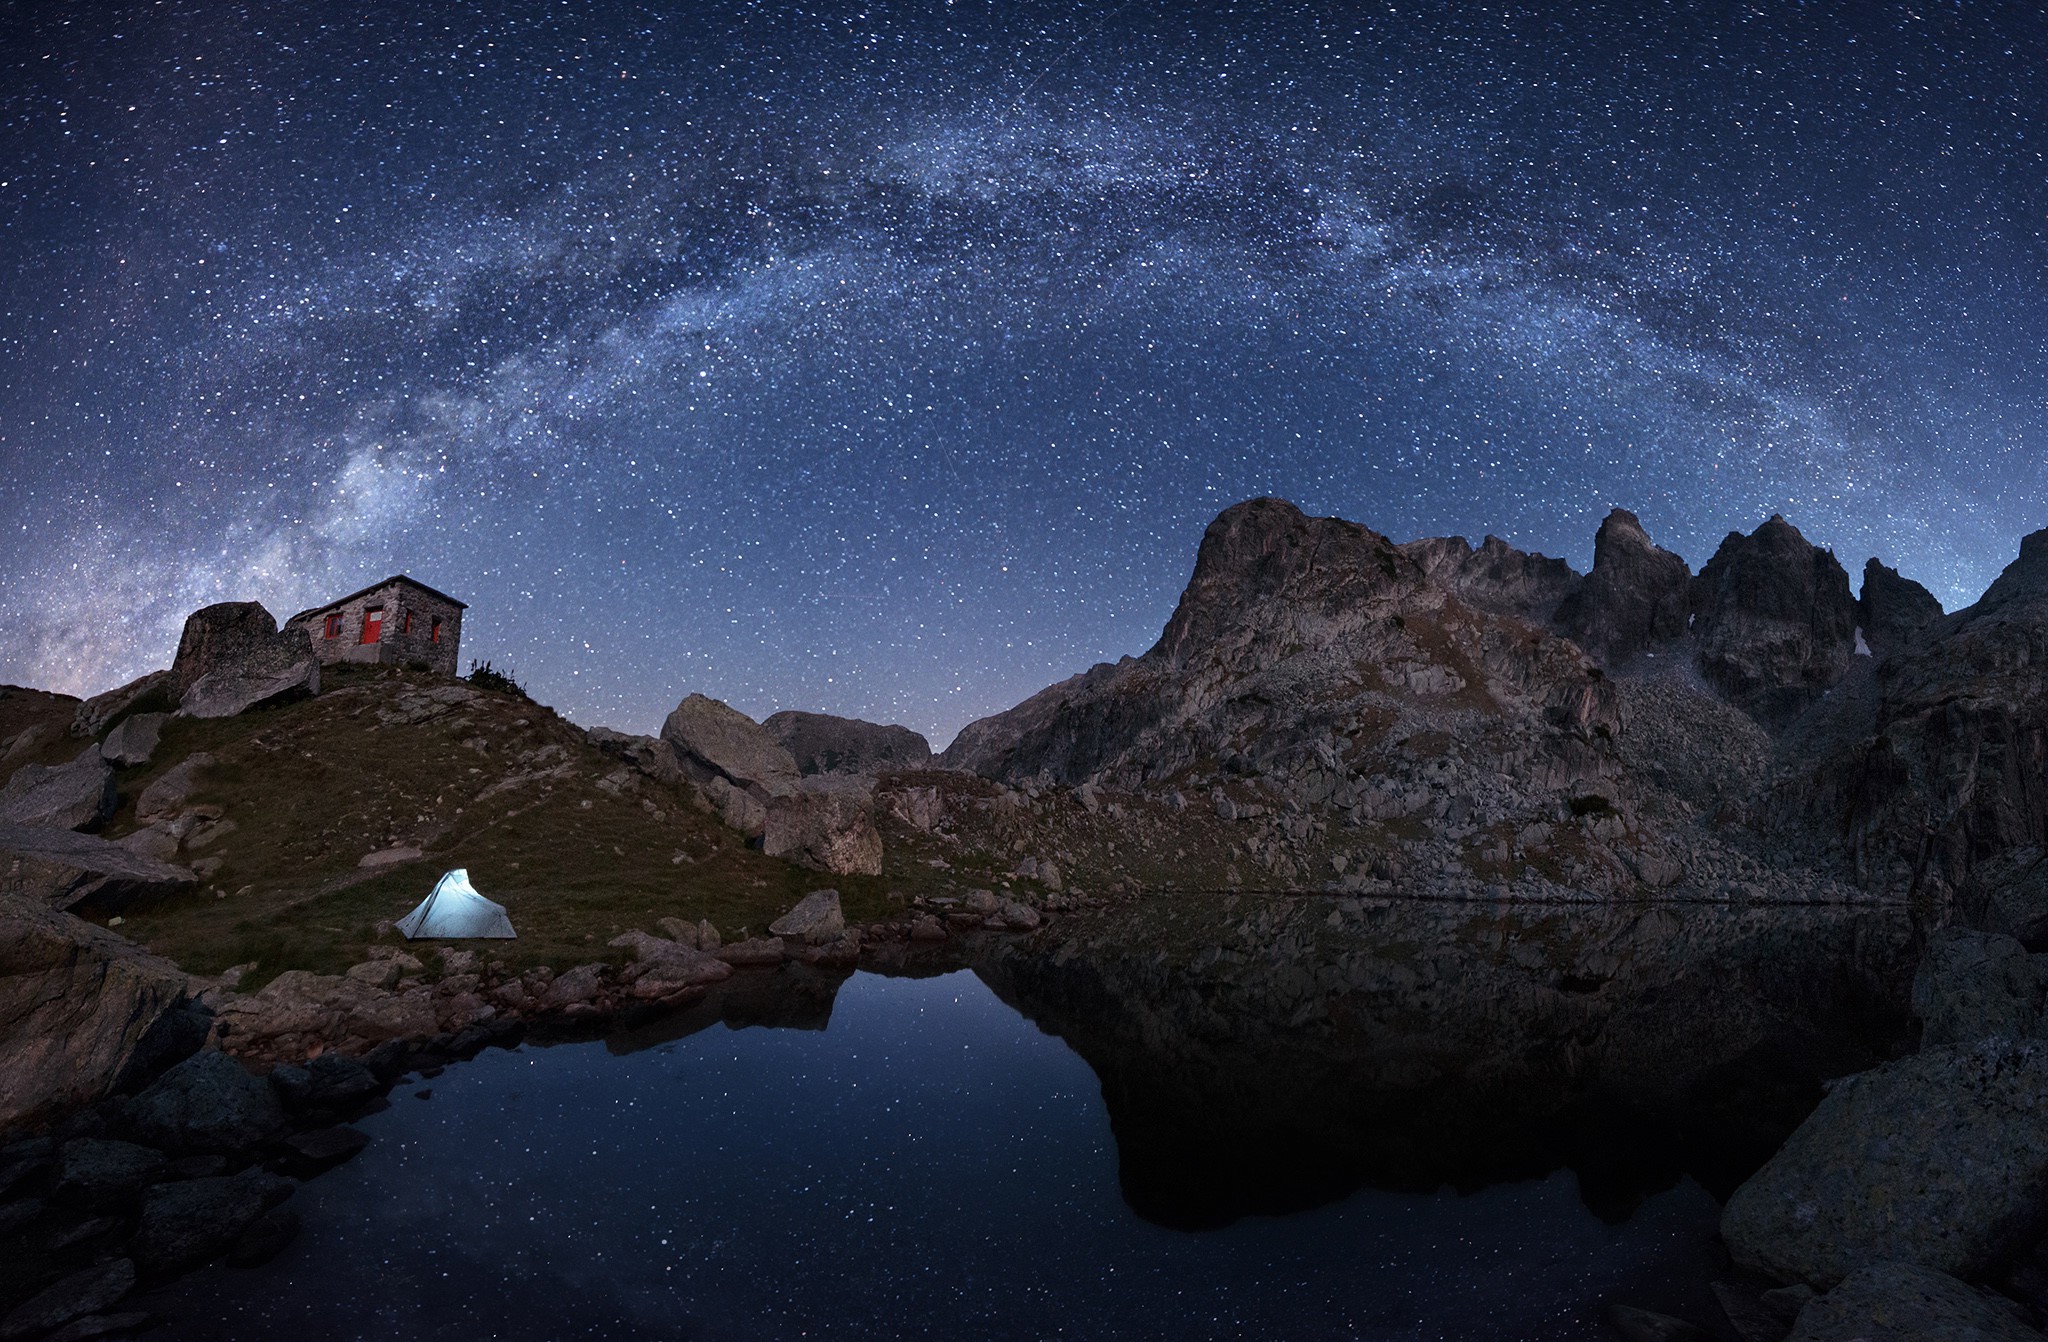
930, 1164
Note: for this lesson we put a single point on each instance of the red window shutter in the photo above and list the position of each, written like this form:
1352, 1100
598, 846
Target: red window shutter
434, 636
333, 629
405, 623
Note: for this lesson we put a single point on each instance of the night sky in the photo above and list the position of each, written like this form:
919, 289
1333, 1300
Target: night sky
889, 359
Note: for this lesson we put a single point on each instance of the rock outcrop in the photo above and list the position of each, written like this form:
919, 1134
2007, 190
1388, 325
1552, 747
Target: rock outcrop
76, 1004
1976, 985
134, 740
232, 657
62, 870
1773, 621
1635, 598
823, 744
208, 1103
93, 716
298, 1012
1946, 789
828, 824
815, 920
739, 766
1940, 1159
78, 795
1894, 613
1496, 577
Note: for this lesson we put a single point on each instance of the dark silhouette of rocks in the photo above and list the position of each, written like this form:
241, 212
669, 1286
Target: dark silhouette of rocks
823, 744
1773, 621
1894, 613
232, 657
1635, 598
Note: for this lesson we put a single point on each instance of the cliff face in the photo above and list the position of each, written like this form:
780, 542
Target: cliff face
1773, 621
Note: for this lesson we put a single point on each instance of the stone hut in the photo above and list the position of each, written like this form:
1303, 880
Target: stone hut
396, 622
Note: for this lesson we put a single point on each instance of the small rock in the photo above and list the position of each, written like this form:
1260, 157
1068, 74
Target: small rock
1016, 916
680, 930
981, 903
924, 927
377, 973
816, 919
389, 857
754, 952
323, 1149
134, 741
577, 987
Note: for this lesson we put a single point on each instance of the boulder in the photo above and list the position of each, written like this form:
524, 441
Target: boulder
754, 952
1015, 916
1773, 622
1905, 1302
650, 755
207, 1103
92, 716
1633, 600
63, 870
1976, 985
232, 657
665, 968
192, 1222
826, 829
78, 795
823, 744
76, 1004
330, 1080
815, 920
1940, 1159
82, 1293
99, 1172
299, 1011
578, 986
1894, 613
173, 789
737, 806
712, 739
134, 741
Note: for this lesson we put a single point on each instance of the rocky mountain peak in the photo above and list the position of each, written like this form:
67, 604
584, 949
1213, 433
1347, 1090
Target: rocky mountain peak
1634, 598
1774, 621
1894, 612
2025, 577
1265, 569
1496, 577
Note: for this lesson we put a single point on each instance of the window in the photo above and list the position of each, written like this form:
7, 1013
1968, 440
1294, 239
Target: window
373, 624
333, 627
434, 634
405, 622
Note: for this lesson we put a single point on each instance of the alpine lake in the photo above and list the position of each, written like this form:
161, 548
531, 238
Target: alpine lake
1200, 1116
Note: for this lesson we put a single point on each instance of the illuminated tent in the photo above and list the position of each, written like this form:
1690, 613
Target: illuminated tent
455, 911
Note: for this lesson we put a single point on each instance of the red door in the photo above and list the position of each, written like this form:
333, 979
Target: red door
373, 626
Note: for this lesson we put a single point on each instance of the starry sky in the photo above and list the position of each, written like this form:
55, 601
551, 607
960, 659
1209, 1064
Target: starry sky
888, 359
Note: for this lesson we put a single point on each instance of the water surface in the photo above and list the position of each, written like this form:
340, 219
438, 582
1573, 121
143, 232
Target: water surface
929, 1165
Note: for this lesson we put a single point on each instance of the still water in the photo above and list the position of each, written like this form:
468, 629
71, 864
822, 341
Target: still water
930, 1164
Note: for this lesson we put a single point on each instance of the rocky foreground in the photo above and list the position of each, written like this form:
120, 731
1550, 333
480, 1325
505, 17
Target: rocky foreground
1329, 718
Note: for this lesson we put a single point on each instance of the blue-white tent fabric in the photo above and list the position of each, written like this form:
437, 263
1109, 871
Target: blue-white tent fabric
456, 912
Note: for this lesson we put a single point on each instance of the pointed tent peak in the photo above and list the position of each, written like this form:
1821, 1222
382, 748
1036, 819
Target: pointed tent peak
455, 912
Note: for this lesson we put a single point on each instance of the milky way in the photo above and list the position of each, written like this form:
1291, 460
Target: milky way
890, 360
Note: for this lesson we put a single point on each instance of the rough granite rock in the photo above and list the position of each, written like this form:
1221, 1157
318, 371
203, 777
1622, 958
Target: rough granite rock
1634, 599
1894, 613
76, 1001
208, 1103
134, 740
1496, 577
822, 744
1904, 1302
815, 920
172, 789
297, 1011
63, 870
232, 657
78, 795
95, 713
650, 755
1773, 621
1976, 985
726, 753
1940, 1159
96, 1171
191, 1222
825, 828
